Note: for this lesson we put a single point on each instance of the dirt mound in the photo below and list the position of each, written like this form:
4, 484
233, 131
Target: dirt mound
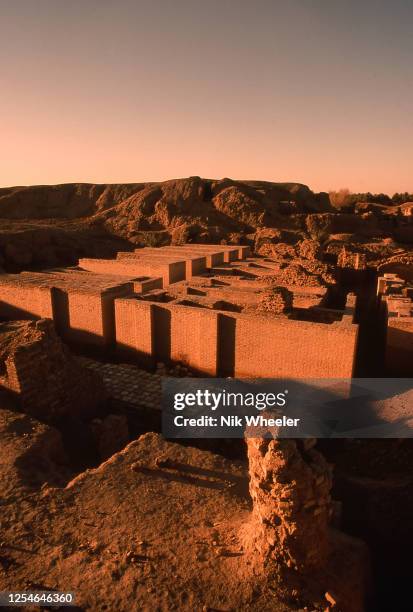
49, 225
173, 197
55, 225
309, 249
193, 553
37, 244
296, 274
156, 525
67, 201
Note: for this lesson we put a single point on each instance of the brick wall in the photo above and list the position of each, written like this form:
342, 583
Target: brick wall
87, 319
234, 344
171, 272
399, 346
45, 377
155, 332
133, 320
25, 302
212, 258
194, 264
194, 339
267, 347
231, 253
147, 284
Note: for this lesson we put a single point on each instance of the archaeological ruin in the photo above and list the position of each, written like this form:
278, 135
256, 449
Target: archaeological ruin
84, 350
221, 297
206, 382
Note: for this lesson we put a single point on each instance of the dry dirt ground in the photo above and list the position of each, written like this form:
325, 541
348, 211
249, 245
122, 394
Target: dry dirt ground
159, 526
156, 527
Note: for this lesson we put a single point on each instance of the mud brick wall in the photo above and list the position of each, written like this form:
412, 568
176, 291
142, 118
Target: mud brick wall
272, 347
147, 284
231, 253
234, 344
20, 302
198, 266
87, 318
194, 265
220, 253
244, 252
79, 317
48, 381
133, 321
389, 280
224, 253
399, 346
151, 332
171, 272
247, 295
212, 258
399, 305
194, 337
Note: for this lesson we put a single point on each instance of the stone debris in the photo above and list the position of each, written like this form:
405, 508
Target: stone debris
276, 300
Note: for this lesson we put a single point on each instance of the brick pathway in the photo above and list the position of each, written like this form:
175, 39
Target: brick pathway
128, 383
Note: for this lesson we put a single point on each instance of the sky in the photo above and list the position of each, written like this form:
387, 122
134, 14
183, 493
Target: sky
314, 91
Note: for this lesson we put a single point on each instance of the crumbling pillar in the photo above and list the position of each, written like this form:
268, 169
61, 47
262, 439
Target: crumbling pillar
290, 486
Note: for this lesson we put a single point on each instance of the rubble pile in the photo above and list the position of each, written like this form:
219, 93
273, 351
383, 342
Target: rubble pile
276, 300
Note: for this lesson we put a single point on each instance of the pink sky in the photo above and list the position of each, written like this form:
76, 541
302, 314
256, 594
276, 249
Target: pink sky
129, 91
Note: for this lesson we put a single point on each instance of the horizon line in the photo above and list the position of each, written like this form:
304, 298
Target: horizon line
182, 178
